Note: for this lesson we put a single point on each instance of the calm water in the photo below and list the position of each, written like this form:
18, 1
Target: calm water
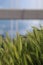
23, 26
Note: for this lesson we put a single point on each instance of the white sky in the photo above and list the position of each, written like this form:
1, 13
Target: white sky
28, 4
22, 4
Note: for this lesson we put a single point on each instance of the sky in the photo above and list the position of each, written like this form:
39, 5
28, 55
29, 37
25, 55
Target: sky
23, 25
22, 4
28, 4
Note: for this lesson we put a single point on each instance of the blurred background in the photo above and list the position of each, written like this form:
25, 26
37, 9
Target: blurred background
21, 26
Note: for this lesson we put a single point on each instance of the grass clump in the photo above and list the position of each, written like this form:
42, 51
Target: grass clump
22, 50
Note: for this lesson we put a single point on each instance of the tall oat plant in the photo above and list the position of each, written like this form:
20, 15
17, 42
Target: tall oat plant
22, 50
